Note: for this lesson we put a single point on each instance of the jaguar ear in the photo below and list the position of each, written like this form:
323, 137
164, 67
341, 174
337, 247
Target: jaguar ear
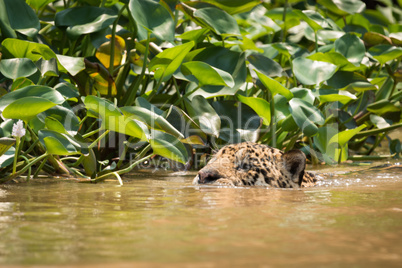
241, 159
295, 162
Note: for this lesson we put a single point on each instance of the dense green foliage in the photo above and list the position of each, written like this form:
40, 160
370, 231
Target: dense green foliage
100, 82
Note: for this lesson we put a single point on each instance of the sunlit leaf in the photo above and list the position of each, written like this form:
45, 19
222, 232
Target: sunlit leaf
206, 74
21, 17
154, 17
168, 146
202, 112
103, 52
152, 119
274, 86
264, 65
385, 53
84, 20
310, 72
112, 118
168, 61
239, 122
306, 116
26, 108
218, 21
33, 91
48, 67
260, 106
15, 68
352, 47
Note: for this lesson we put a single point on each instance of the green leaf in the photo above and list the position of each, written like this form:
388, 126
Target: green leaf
37, 4
31, 91
168, 61
310, 72
313, 19
218, 21
352, 47
64, 116
15, 68
15, 48
382, 106
206, 74
58, 143
113, 119
21, 17
168, 146
264, 65
204, 115
234, 6
84, 20
47, 67
385, 53
7, 158
152, 119
274, 86
73, 65
224, 59
306, 116
260, 106
6, 30
27, 108
342, 8
5, 144
334, 58
338, 144
327, 95
238, 121
153, 17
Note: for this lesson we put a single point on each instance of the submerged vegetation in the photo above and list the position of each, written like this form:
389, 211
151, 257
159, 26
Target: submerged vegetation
92, 88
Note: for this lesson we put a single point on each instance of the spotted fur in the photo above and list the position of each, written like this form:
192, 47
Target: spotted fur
256, 164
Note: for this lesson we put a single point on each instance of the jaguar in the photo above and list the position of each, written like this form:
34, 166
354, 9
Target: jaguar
248, 164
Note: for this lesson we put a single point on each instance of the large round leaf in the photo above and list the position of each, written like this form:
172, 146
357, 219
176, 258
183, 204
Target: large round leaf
204, 115
21, 17
310, 72
85, 20
14, 68
154, 17
64, 116
152, 119
306, 116
34, 91
206, 74
274, 86
384, 53
168, 146
224, 59
260, 106
264, 65
26, 108
168, 61
113, 119
15, 48
352, 47
238, 122
58, 143
218, 21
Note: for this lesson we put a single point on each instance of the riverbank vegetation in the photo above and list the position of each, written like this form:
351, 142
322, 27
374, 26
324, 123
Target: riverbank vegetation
92, 88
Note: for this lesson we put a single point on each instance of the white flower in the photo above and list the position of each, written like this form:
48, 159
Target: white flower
18, 129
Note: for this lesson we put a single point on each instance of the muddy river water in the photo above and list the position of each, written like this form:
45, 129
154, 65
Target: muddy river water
159, 219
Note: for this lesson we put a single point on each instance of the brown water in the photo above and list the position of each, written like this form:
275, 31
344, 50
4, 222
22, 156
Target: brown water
161, 220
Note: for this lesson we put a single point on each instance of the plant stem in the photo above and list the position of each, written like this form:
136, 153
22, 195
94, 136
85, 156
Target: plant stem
132, 91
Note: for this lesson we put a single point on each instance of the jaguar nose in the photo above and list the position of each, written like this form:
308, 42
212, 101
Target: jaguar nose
207, 176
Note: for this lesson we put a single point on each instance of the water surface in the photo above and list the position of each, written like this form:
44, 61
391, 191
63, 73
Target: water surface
162, 220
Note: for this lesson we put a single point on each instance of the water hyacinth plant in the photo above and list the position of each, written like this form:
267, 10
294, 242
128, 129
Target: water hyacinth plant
102, 85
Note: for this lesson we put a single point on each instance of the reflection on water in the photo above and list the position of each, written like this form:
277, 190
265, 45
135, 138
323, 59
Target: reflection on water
154, 219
